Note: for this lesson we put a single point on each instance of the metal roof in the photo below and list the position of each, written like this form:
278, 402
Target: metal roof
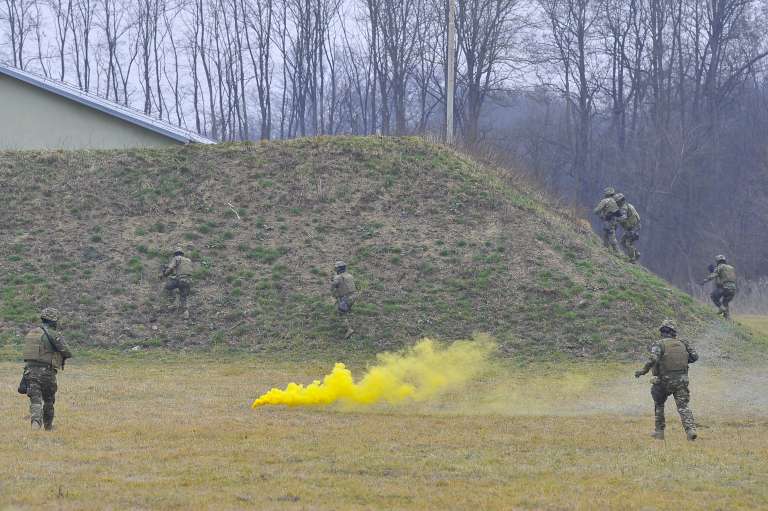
104, 105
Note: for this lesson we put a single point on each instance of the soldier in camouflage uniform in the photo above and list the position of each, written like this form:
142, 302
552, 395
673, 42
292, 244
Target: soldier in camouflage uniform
668, 362
179, 274
608, 211
344, 291
44, 353
725, 285
629, 220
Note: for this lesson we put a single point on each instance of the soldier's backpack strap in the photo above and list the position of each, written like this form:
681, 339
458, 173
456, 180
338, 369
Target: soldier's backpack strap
50, 339
55, 349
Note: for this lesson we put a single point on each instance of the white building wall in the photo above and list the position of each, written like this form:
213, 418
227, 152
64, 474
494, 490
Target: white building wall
32, 118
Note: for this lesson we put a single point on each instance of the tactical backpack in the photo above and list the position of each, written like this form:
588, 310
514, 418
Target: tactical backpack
633, 218
674, 357
726, 274
38, 347
185, 268
346, 285
606, 208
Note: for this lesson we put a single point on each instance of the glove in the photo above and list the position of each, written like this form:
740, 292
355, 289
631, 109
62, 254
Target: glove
638, 374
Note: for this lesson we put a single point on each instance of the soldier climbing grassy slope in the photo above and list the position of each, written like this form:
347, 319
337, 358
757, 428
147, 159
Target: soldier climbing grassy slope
725, 289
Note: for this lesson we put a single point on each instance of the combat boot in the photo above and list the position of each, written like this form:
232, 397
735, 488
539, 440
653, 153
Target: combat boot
692, 435
658, 434
349, 333
36, 425
48, 426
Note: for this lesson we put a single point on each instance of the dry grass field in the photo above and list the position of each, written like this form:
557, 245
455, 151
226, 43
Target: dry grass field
170, 431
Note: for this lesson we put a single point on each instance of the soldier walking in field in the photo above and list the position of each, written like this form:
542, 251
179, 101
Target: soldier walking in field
45, 352
179, 274
724, 276
608, 211
668, 361
629, 220
344, 291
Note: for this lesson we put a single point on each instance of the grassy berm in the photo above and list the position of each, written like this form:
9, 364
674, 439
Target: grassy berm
440, 245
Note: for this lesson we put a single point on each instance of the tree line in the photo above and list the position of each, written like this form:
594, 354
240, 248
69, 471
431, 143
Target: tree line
667, 100
249, 69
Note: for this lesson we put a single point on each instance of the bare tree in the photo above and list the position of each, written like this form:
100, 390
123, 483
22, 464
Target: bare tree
486, 31
21, 20
62, 15
82, 19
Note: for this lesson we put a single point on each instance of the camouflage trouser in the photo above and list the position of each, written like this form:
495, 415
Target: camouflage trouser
628, 239
183, 285
676, 386
609, 235
344, 308
722, 296
41, 390
344, 304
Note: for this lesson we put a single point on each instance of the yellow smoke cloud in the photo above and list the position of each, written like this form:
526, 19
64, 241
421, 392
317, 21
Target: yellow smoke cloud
418, 373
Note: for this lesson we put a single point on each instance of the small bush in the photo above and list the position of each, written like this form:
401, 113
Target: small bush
135, 266
426, 268
266, 255
16, 308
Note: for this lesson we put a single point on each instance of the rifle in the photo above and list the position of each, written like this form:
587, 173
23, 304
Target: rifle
711, 269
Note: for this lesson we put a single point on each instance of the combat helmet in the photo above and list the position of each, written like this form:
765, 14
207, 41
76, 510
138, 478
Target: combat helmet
720, 259
668, 324
50, 314
178, 251
609, 191
340, 265
619, 197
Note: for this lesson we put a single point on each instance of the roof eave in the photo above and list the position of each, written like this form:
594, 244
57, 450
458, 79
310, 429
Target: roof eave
90, 102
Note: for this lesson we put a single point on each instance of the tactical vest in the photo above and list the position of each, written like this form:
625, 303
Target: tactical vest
37, 348
726, 274
346, 285
633, 219
674, 358
184, 268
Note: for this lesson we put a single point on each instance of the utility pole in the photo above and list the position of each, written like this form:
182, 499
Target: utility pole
450, 72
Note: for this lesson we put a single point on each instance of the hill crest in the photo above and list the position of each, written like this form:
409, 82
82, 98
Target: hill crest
440, 245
